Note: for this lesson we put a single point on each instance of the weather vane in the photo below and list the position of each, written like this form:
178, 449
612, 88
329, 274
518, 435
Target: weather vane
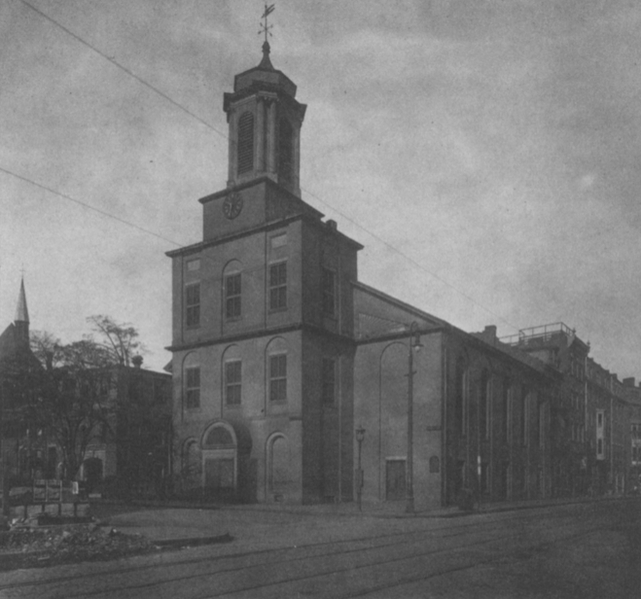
264, 27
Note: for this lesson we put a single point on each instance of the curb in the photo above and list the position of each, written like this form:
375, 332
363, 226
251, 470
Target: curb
193, 542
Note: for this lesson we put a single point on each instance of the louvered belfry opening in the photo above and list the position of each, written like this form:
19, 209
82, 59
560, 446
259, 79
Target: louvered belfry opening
245, 142
285, 150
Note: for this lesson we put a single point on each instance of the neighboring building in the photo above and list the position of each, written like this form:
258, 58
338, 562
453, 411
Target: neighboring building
590, 432
559, 347
135, 457
17, 363
138, 453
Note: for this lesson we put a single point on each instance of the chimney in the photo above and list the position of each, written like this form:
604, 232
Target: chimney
489, 334
137, 361
629, 382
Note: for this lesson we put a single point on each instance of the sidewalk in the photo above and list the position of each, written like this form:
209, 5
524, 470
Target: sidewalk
187, 524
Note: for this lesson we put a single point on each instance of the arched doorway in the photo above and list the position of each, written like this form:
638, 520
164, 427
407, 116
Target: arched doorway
220, 461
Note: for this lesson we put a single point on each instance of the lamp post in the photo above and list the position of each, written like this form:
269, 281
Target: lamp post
360, 435
414, 345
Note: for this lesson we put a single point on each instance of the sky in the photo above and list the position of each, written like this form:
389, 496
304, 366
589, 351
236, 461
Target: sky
485, 152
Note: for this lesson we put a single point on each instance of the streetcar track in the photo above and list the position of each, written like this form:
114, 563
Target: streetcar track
374, 564
415, 579
463, 527
244, 567
278, 555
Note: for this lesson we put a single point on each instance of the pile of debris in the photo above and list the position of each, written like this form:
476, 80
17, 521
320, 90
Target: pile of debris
28, 545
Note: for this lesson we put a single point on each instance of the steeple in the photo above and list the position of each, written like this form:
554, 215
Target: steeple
22, 314
264, 124
21, 321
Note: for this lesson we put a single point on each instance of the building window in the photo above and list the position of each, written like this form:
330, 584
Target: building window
278, 286
245, 147
233, 386
542, 426
329, 380
507, 410
278, 377
525, 418
232, 296
285, 150
192, 305
461, 398
329, 292
484, 406
192, 387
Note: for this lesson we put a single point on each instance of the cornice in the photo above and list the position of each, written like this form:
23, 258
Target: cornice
270, 332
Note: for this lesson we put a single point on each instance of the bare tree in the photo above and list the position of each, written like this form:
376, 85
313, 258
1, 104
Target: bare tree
120, 340
70, 397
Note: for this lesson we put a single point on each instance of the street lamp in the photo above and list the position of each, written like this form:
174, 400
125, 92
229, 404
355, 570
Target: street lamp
414, 345
360, 435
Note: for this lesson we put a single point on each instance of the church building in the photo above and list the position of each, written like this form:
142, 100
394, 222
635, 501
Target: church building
295, 382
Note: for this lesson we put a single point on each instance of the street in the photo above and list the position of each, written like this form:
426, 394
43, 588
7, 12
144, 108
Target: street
575, 550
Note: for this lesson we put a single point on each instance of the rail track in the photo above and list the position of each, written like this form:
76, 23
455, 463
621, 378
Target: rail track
351, 567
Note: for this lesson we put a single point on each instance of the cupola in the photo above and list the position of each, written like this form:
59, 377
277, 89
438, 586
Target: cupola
264, 126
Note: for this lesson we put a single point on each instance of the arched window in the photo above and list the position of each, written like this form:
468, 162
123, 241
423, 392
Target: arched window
285, 150
232, 289
191, 382
245, 147
276, 366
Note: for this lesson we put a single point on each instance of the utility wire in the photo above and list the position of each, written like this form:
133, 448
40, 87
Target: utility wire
224, 136
89, 206
123, 68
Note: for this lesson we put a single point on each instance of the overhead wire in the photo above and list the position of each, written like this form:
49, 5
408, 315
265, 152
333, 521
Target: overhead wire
181, 107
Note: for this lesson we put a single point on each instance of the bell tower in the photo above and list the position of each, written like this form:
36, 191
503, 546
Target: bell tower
264, 121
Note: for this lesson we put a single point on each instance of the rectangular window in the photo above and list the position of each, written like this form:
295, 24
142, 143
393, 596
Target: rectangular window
192, 387
278, 286
278, 377
192, 305
232, 296
524, 419
508, 412
233, 371
329, 380
329, 292
542, 426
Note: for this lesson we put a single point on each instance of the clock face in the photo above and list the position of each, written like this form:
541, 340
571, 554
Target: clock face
232, 205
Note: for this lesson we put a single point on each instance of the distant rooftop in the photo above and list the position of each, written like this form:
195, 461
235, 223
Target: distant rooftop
541, 334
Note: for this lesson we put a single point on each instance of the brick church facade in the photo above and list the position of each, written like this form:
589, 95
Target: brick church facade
280, 353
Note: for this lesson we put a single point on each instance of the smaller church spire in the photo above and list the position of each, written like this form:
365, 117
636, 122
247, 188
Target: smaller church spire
22, 314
